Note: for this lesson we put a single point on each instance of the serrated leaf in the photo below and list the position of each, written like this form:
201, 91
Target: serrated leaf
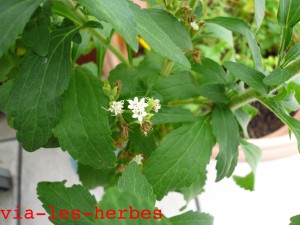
36, 34
62, 198
191, 192
289, 12
14, 15
226, 131
215, 92
291, 55
250, 76
92, 178
176, 31
260, 7
295, 220
241, 27
34, 107
133, 181
192, 218
181, 158
158, 40
118, 14
83, 129
246, 182
172, 115
277, 77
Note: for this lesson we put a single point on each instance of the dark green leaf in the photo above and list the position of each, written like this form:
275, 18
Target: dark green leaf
34, 107
81, 48
14, 14
295, 220
176, 31
192, 218
246, 182
250, 76
277, 77
118, 14
4, 95
215, 92
7, 63
180, 158
92, 178
157, 38
289, 12
172, 115
292, 54
93, 24
241, 27
83, 129
133, 181
260, 7
36, 34
226, 131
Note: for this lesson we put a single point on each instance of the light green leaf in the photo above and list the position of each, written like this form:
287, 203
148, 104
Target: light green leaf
176, 31
241, 27
292, 54
252, 154
14, 14
260, 7
62, 198
192, 218
289, 12
226, 131
118, 14
250, 76
277, 77
191, 192
215, 92
181, 158
295, 220
92, 178
214, 30
83, 129
244, 116
158, 40
133, 181
36, 34
172, 115
34, 107
246, 182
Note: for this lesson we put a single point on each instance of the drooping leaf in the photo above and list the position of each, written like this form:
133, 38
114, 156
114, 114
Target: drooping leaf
175, 29
277, 77
83, 129
157, 38
14, 15
133, 181
118, 14
226, 131
192, 218
180, 158
241, 27
172, 115
250, 76
34, 107
260, 7
246, 182
289, 12
295, 220
92, 178
191, 192
36, 34
244, 116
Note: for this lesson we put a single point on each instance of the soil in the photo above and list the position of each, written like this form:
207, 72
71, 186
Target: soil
264, 123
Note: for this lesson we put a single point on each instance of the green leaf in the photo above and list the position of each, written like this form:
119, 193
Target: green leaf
181, 158
210, 72
157, 38
62, 198
279, 110
14, 14
226, 131
92, 178
246, 182
83, 129
260, 8
192, 218
244, 116
214, 30
289, 12
191, 192
178, 86
118, 14
291, 55
215, 92
172, 115
250, 76
277, 77
36, 34
133, 181
34, 107
295, 220
176, 31
7, 64
4, 95
241, 27
79, 49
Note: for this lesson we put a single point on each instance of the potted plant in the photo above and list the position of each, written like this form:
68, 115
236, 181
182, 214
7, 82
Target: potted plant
150, 127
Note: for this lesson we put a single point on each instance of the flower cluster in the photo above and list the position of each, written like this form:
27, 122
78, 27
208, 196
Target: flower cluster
116, 107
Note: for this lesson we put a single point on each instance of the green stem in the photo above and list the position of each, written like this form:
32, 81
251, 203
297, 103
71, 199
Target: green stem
129, 52
167, 69
238, 101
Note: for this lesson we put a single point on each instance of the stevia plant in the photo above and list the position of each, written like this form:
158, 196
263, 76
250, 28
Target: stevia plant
149, 127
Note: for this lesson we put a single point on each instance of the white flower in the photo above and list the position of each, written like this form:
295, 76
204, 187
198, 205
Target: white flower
139, 114
157, 105
138, 108
194, 25
138, 159
116, 107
